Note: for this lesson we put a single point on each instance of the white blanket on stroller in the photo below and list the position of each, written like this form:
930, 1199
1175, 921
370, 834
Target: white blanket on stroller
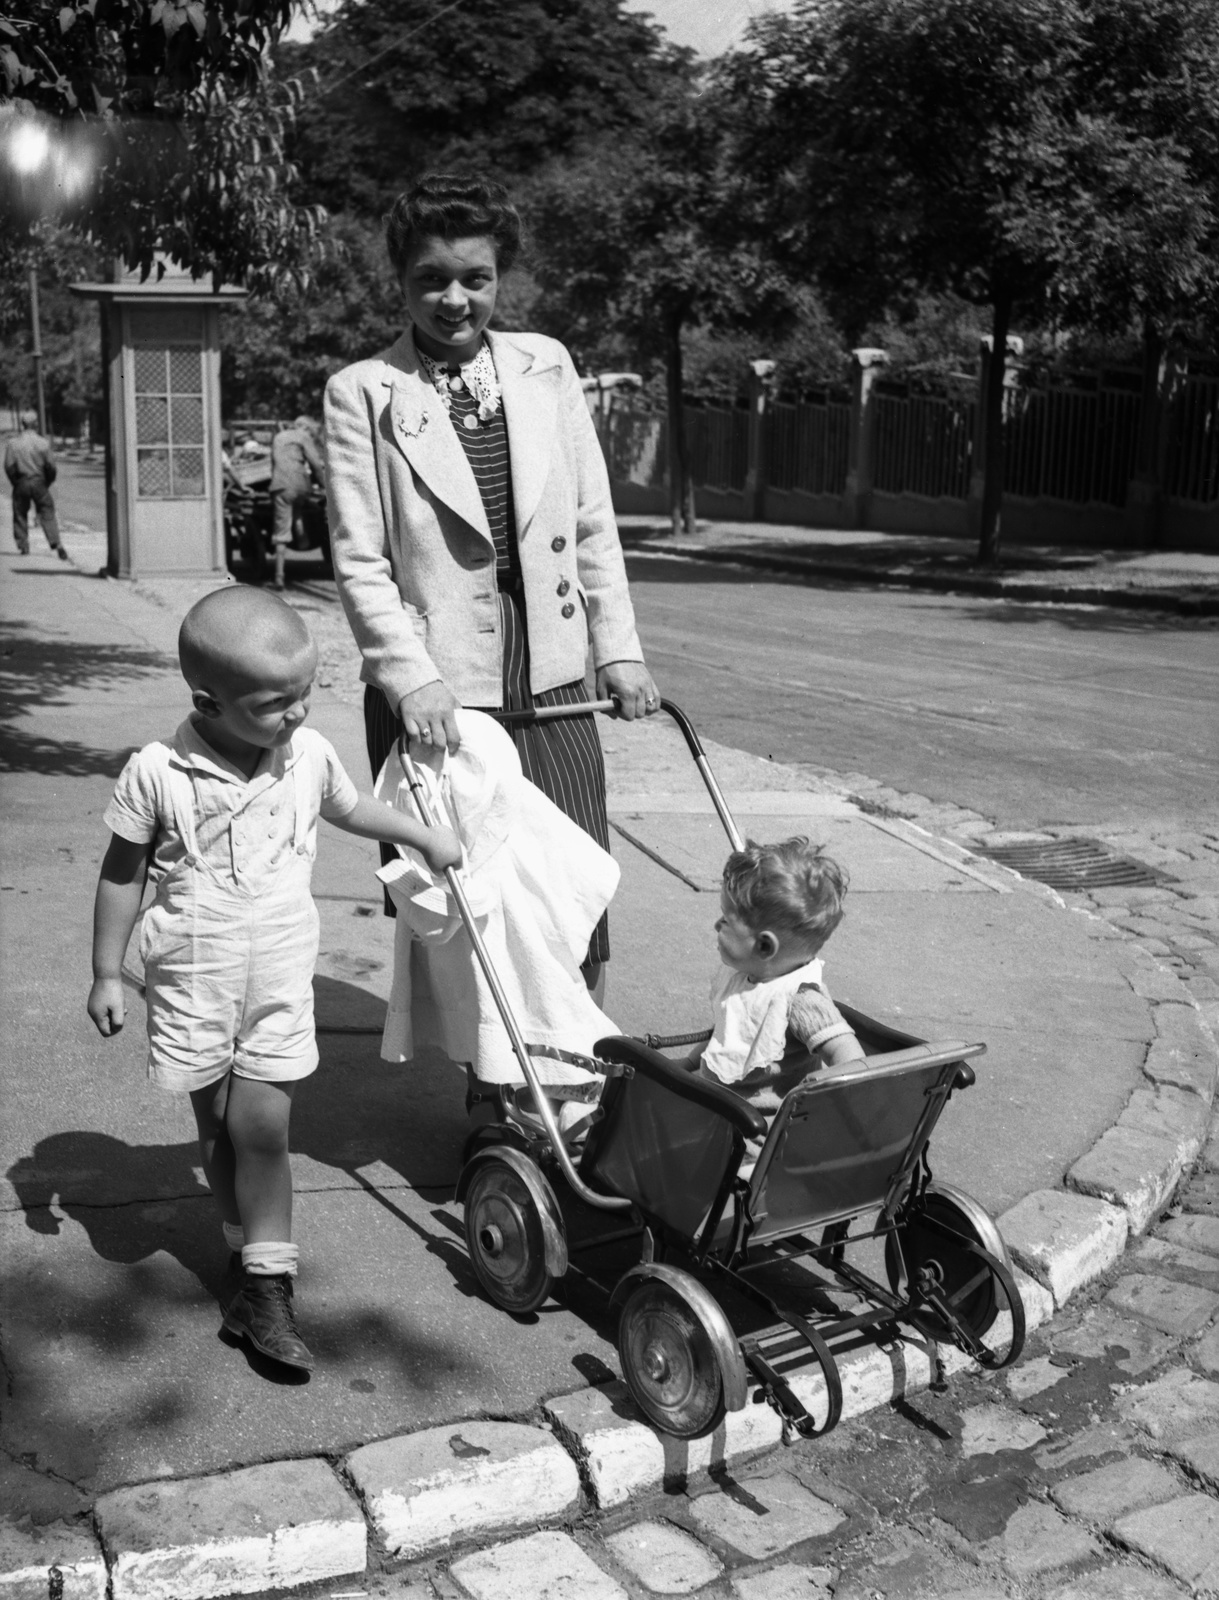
537, 884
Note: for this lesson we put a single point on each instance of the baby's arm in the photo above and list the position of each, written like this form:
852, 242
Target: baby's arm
370, 819
821, 1028
120, 888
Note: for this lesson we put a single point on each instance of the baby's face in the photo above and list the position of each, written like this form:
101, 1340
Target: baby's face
737, 942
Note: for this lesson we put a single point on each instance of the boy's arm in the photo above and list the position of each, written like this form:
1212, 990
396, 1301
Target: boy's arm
370, 819
120, 888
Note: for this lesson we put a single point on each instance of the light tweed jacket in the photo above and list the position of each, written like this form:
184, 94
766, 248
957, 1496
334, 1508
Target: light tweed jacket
413, 553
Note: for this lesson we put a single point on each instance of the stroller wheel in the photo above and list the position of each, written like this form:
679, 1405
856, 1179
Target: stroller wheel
950, 1244
669, 1362
506, 1240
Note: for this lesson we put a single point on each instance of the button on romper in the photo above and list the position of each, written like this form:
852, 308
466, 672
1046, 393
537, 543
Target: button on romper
229, 968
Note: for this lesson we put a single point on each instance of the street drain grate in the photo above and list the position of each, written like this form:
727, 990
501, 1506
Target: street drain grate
1073, 864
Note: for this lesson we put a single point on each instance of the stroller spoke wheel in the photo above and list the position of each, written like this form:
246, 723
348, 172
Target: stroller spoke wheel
669, 1362
505, 1239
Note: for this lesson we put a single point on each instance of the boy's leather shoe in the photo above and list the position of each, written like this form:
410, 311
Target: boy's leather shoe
262, 1312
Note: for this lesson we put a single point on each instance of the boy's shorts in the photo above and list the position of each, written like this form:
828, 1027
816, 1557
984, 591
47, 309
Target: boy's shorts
244, 1006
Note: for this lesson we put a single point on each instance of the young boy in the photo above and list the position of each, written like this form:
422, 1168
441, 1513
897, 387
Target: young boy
779, 903
224, 815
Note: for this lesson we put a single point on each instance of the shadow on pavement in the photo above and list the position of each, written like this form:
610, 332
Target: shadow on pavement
36, 671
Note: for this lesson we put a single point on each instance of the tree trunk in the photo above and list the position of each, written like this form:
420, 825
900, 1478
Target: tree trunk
992, 483
681, 482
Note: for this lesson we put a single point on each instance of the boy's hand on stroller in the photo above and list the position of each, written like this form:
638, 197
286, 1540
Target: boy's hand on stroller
107, 1006
442, 849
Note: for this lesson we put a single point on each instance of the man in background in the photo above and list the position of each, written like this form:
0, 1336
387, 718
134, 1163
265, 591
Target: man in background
296, 465
30, 468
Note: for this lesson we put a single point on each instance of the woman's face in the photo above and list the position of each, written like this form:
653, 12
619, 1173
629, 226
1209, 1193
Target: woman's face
450, 287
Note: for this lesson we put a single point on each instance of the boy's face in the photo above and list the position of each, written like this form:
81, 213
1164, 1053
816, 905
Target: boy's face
262, 715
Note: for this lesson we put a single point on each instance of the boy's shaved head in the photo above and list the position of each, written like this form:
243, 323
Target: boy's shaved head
232, 636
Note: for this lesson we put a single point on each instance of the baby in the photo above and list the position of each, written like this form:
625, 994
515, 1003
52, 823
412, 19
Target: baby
779, 903
223, 817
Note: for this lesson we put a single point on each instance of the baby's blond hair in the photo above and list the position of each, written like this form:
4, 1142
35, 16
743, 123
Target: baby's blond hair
790, 886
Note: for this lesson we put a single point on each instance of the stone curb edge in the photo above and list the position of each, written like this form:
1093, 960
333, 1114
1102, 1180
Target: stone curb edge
252, 1529
1186, 605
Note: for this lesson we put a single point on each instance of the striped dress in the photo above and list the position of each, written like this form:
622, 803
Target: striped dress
563, 759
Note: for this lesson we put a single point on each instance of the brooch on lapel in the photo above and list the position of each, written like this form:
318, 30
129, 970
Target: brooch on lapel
412, 431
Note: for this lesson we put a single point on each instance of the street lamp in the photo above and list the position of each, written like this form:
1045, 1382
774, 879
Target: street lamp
43, 169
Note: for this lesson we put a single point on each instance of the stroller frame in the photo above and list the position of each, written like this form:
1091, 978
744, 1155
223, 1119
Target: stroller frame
847, 1148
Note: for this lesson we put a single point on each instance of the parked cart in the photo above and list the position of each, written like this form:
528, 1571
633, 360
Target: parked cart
748, 1274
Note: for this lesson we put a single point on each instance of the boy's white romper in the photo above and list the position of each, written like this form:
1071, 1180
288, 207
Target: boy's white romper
229, 957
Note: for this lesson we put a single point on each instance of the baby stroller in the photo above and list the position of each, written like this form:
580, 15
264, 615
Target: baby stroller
725, 1246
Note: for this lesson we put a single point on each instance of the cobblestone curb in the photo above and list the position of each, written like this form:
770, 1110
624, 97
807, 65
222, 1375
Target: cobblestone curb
290, 1523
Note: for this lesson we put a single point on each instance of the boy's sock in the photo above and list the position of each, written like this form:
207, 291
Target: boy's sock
270, 1259
234, 1235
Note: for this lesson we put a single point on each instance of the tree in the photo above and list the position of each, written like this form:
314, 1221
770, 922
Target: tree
980, 147
405, 86
153, 125
650, 238
71, 363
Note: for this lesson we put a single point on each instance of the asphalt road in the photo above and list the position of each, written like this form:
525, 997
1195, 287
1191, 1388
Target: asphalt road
1032, 715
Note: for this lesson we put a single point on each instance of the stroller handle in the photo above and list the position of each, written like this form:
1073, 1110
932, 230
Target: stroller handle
520, 1049
582, 708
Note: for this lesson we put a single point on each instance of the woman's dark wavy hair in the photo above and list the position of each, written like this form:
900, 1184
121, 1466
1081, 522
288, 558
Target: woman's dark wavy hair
445, 205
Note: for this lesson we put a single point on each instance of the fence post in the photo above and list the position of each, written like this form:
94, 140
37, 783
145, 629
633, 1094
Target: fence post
760, 373
977, 473
857, 495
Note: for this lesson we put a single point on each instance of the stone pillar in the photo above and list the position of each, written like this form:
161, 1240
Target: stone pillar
866, 365
760, 374
977, 475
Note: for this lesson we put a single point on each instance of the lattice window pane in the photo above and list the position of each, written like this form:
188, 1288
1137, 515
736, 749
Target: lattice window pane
149, 371
185, 370
188, 473
188, 419
151, 420
153, 474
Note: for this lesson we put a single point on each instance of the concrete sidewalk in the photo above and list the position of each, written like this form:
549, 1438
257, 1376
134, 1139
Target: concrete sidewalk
1180, 581
113, 1258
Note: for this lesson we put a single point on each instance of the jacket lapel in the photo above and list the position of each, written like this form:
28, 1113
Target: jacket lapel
422, 431
530, 386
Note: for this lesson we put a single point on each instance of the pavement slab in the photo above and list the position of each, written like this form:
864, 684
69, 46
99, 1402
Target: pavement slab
1064, 1240
61, 1559
1178, 1309
1103, 1495
545, 1566
269, 1527
762, 1516
425, 1489
785, 1582
664, 1559
1182, 1536
1038, 1539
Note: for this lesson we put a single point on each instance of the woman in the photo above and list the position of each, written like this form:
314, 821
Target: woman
474, 539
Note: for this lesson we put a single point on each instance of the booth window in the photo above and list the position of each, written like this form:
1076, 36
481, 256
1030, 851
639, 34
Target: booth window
169, 422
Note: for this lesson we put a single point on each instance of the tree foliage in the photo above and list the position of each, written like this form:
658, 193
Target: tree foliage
405, 86
1050, 156
154, 125
652, 237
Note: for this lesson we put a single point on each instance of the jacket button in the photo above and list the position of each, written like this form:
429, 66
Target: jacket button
558, 543
564, 586
569, 610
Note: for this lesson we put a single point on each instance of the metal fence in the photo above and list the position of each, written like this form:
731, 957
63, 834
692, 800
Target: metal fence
923, 442
1071, 440
718, 440
1075, 438
808, 445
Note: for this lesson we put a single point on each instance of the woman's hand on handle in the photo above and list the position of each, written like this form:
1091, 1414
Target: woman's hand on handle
630, 683
429, 714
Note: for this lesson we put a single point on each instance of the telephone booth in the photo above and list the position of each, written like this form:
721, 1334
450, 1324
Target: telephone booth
164, 472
